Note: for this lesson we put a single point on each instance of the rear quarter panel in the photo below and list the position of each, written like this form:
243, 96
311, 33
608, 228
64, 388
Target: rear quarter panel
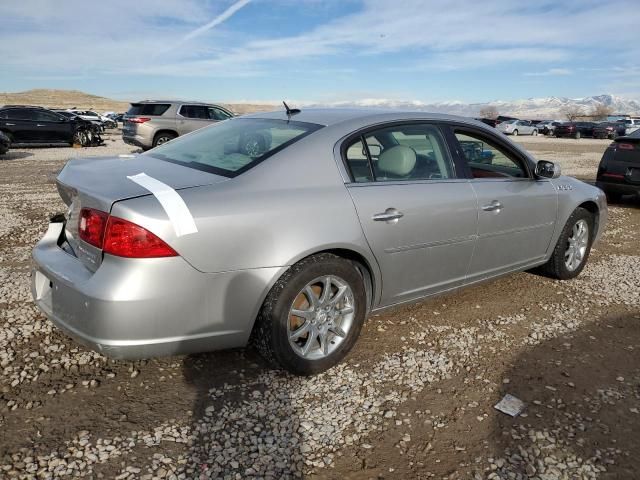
289, 206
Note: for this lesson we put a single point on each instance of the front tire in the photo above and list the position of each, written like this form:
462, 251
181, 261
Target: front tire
577, 136
574, 245
312, 316
534, 133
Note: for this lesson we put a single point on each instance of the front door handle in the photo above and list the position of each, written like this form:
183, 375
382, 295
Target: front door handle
10, 124
40, 125
390, 215
494, 206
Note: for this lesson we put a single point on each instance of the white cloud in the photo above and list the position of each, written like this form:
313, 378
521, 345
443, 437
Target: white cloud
551, 72
76, 37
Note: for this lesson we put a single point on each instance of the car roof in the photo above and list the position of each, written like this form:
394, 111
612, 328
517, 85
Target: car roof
175, 101
335, 116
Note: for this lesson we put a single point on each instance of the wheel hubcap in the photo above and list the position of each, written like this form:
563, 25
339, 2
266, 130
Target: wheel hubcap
162, 140
320, 317
577, 245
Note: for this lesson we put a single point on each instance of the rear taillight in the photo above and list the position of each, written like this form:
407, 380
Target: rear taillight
92, 225
138, 119
625, 146
126, 239
120, 237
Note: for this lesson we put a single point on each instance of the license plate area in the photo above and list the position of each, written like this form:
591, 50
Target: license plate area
634, 174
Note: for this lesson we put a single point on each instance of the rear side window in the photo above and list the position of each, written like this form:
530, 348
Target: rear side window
231, 148
19, 114
148, 108
399, 153
203, 112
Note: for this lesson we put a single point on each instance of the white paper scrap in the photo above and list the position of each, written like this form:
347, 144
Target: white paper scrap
510, 405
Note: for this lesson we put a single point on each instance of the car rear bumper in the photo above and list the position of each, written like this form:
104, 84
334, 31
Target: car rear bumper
141, 308
621, 188
136, 141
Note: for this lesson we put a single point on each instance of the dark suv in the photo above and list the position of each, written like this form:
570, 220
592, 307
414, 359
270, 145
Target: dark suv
37, 125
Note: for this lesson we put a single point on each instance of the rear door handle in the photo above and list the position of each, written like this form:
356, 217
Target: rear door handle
40, 125
494, 206
390, 215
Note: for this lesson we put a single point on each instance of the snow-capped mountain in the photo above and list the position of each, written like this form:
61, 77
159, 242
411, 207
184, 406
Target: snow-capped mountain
548, 107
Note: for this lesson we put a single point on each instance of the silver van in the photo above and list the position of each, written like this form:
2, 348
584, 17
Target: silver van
150, 123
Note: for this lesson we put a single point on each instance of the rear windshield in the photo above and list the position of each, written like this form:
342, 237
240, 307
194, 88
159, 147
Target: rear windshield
232, 147
148, 108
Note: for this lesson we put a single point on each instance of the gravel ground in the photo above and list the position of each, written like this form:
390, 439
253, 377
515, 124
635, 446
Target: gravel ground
414, 400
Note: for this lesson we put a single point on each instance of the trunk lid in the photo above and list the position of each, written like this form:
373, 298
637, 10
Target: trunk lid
100, 182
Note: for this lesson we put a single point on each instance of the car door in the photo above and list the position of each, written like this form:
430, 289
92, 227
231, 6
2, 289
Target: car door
20, 122
516, 212
419, 217
192, 117
52, 127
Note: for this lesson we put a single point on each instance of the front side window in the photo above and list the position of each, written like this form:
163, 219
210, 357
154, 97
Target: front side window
486, 159
230, 148
47, 117
218, 114
401, 152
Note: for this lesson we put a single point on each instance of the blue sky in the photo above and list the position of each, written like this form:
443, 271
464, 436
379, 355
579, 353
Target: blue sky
323, 51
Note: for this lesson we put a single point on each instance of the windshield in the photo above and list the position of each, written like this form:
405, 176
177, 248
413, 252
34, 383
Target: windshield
234, 146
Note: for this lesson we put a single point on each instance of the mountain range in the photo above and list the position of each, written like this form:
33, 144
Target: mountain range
547, 107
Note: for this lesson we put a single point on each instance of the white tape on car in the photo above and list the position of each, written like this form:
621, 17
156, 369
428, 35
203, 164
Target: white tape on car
171, 201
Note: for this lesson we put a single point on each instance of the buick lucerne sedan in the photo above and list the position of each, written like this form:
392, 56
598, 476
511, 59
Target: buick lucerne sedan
285, 230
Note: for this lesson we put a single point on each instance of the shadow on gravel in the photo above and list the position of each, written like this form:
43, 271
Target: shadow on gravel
13, 155
243, 425
629, 201
583, 401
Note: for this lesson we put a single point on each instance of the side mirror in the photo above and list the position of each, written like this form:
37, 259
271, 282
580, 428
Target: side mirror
547, 169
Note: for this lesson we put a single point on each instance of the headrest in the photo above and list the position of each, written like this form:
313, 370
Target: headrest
398, 161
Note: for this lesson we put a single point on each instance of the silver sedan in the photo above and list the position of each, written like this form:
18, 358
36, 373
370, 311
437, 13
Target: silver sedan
517, 127
285, 230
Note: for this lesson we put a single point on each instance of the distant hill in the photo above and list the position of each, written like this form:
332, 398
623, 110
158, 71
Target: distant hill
74, 98
63, 99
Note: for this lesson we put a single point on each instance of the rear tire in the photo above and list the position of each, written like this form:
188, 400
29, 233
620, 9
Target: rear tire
557, 266
577, 136
515, 133
534, 133
274, 334
163, 137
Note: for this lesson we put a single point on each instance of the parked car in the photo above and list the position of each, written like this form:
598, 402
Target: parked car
25, 124
574, 129
609, 130
151, 123
517, 127
492, 122
631, 125
213, 240
619, 169
92, 116
546, 127
5, 143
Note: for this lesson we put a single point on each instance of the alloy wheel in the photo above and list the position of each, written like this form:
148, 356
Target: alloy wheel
577, 244
321, 317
